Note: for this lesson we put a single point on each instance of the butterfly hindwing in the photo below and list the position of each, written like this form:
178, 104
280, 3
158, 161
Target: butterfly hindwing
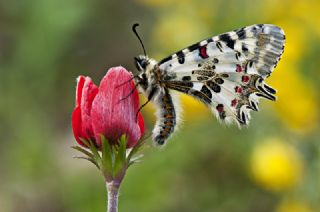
227, 72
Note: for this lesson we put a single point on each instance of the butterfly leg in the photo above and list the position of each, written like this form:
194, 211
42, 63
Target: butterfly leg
129, 94
152, 93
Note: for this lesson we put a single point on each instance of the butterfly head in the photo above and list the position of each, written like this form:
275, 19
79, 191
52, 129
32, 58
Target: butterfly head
147, 68
144, 63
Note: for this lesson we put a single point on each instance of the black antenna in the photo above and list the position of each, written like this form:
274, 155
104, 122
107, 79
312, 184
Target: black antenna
135, 32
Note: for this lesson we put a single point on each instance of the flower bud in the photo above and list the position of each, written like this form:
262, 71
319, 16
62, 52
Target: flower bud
109, 110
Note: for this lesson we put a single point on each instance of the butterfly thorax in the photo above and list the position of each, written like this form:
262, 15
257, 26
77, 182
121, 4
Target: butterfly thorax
150, 77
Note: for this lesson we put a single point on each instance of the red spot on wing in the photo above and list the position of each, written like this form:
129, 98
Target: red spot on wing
238, 69
238, 89
203, 52
245, 78
234, 102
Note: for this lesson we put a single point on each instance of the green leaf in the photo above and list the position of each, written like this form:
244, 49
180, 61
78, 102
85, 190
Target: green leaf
136, 149
135, 159
94, 150
88, 159
85, 142
86, 152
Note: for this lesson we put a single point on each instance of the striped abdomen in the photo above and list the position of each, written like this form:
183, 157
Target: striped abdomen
166, 117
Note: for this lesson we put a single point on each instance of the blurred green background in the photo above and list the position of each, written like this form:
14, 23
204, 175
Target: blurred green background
273, 165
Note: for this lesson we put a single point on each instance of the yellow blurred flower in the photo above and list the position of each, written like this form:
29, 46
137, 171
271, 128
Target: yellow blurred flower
296, 40
193, 109
308, 12
149, 110
190, 108
297, 102
276, 165
293, 206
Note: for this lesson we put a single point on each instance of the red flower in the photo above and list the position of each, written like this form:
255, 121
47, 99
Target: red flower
102, 111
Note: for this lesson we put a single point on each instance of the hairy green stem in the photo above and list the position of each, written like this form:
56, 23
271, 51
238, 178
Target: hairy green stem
113, 194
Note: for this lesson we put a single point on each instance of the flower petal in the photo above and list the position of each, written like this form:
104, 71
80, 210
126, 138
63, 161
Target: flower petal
80, 83
135, 96
89, 92
76, 124
140, 122
114, 110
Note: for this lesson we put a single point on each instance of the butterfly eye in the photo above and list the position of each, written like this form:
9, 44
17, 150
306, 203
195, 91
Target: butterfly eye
141, 63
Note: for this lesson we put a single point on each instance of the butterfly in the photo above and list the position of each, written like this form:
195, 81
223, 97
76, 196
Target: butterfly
226, 72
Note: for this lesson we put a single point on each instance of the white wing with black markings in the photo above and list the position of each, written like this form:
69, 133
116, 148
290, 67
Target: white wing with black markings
227, 71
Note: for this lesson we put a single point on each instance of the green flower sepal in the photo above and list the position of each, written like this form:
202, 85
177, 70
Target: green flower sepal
112, 160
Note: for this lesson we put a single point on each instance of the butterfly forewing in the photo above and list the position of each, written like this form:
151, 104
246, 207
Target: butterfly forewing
261, 44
